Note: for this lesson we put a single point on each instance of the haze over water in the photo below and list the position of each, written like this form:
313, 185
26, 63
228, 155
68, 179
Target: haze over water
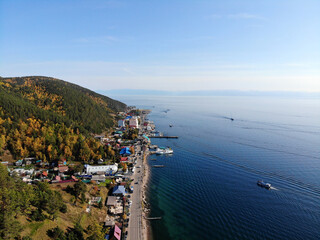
208, 190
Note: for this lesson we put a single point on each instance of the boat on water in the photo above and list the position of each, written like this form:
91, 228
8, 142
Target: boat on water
163, 150
158, 166
170, 125
263, 184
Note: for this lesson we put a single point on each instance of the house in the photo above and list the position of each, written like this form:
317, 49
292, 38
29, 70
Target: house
22, 171
99, 137
74, 178
45, 174
100, 161
95, 200
111, 201
116, 233
119, 191
63, 169
99, 178
18, 163
121, 123
125, 151
133, 122
103, 168
124, 159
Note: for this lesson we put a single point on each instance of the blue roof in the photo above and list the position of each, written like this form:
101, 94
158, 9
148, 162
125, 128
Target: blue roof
125, 151
119, 190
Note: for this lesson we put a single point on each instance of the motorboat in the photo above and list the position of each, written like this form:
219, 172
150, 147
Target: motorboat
263, 184
162, 150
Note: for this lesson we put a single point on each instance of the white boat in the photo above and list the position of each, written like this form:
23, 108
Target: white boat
163, 150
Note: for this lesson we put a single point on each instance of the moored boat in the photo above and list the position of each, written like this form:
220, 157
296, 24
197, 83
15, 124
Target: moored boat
162, 150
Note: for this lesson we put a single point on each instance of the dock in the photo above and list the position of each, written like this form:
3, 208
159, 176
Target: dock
158, 166
153, 218
163, 137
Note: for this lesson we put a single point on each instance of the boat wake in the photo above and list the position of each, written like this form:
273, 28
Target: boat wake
273, 188
292, 184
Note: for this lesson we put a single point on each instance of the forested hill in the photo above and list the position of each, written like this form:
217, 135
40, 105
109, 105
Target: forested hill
51, 119
57, 101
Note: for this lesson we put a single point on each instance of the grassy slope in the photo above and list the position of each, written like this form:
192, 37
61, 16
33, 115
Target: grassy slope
38, 230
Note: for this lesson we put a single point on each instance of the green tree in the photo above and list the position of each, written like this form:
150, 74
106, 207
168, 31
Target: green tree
95, 232
80, 188
56, 233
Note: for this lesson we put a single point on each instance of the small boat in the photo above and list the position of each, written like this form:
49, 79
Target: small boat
231, 119
170, 125
158, 166
163, 150
263, 184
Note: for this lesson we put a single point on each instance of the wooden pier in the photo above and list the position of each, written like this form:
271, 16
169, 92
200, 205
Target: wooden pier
153, 218
163, 137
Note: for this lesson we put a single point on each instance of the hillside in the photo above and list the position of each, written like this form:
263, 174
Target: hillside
50, 99
51, 119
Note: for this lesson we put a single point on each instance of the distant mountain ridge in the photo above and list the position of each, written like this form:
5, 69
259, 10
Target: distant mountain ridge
50, 99
144, 92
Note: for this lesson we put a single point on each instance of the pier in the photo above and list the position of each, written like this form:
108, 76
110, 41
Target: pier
163, 137
153, 218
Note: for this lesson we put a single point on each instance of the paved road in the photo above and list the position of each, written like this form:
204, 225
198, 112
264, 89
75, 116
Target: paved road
135, 222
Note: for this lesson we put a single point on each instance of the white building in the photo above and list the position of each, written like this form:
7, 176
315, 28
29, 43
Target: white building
133, 122
101, 168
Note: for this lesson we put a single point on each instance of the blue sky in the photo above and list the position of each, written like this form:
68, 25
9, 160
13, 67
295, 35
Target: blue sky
263, 45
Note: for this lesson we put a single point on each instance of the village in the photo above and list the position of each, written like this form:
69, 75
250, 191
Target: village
123, 178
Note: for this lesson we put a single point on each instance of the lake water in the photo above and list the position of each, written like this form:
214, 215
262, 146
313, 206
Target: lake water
208, 190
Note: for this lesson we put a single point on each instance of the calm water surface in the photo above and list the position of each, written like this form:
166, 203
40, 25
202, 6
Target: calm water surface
207, 189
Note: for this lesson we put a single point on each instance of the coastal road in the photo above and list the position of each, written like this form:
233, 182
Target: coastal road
135, 222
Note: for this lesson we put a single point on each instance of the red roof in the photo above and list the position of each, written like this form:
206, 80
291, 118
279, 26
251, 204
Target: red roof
123, 159
74, 178
45, 173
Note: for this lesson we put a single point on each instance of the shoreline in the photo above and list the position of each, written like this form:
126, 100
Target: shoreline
146, 228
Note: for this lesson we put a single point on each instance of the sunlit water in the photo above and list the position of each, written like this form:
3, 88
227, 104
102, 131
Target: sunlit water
208, 190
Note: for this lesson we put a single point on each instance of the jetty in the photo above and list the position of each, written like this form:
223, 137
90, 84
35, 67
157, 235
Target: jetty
163, 137
158, 166
153, 218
